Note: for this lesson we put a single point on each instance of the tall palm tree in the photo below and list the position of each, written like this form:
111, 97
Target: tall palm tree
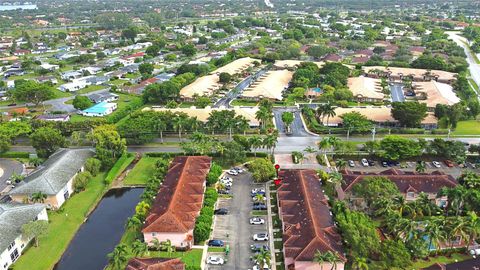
326, 257
340, 163
434, 228
334, 141
270, 141
168, 247
139, 248
133, 223
38, 197
454, 227
179, 122
118, 258
256, 142
324, 144
329, 111
262, 258
320, 113
360, 263
160, 126
472, 224
263, 115
421, 166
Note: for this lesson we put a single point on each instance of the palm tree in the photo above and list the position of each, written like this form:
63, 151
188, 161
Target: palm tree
421, 166
340, 163
259, 197
360, 263
329, 111
179, 121
38, 197
472, 224
454, 227
270, 141
156, 245
139, 248
324, 144
309, 150
326, 257
133, 223
262, 258
118, 258
256, 142
168, 247
435, 231
160, 127
262, 115
334, 141
320, 112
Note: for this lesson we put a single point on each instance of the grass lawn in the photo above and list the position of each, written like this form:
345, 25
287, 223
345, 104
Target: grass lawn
469, 127
90, 88
241, 102
441, 259
63, 224
216, 249
142, 171
61, 94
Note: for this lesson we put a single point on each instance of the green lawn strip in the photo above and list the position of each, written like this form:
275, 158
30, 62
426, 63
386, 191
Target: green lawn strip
216, 249
142, 171
61, 94
241, 102
90, 88
119, 166
440, 259
259, 213
469, 127
475, 86
63, 224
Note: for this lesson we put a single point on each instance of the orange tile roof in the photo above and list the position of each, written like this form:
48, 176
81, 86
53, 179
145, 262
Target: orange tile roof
308, 224
180, 197
155, 264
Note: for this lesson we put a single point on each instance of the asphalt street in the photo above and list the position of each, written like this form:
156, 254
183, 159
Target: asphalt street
9, 166
235, 228
297, 126
397, 92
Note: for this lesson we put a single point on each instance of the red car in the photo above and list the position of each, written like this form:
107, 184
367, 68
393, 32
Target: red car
449, 163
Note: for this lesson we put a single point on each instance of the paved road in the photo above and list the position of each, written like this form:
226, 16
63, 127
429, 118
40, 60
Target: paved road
236, 224
235, 92
297, 126
9, 166
397, 92
472, 65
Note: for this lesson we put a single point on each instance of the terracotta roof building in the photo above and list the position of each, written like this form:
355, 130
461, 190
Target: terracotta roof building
409, 183
178, 202
155, 264
307, 222
472, 264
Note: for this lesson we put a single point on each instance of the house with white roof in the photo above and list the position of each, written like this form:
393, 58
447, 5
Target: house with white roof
12, 218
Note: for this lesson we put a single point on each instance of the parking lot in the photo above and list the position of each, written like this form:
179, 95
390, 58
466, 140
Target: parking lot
234, 228
455, 171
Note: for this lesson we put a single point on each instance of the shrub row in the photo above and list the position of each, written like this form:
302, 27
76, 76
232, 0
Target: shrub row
204, 222
132, 106
12, 154
214, 174
118, 167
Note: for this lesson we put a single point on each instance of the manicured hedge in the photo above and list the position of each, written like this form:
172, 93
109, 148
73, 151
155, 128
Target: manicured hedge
12, 154
119, 166
204, 222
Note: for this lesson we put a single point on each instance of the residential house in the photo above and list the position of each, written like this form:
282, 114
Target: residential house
409, 183
54, 117
103, 97
155, 264
100, 109
270, 86
73, 86
178, 203
45, 79
307, 223
470, 264
53, 178
49, 67
12, 217
365, 89
71, 75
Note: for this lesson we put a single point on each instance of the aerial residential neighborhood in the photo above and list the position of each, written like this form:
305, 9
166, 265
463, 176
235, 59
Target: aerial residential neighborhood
243, 134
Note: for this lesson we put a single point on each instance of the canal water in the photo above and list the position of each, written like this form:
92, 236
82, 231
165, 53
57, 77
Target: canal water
101, 232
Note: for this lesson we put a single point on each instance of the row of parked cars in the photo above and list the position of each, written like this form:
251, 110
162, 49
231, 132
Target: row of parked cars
368, 162
259, 201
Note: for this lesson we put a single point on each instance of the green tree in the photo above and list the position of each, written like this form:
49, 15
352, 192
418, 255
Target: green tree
255, 142
360, 263
355, 122
81, 180
146, 69
262, 170
4, 143
46, 141
374, 188
234, 152
225, 77
109, 145
119, 257
409, 114
38, 197
167, 246
31, 91
139, 248
394, 254
82, 102
130, 33
35, 229
421, 166
93, 165
287, 118
189, 50
395, 148
152, 50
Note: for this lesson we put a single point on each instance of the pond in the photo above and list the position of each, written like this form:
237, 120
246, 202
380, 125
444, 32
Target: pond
101, 232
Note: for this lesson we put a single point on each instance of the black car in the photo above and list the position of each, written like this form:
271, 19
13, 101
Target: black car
384, 164
221, 211
370, 162
260, 207
223, 191
258, 247
216, 243
259, 203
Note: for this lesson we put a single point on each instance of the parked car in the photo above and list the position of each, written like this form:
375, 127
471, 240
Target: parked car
232, 172
258, 247
364, 162
216, 243
256, 191
259, 207
215, 260
371, 162
256, 199
223, 191
260, 237
221, 211
393, 163
436, 164
258, 267
257, 221
351, 163
384, 163
449, 163
238, 169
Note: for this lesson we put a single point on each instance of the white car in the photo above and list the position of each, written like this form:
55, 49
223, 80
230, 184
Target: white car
257, 221
436, 164
364, 162
260, 237
257, 267
216, 260
238, 169
258, 190
351, 163
232, 172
